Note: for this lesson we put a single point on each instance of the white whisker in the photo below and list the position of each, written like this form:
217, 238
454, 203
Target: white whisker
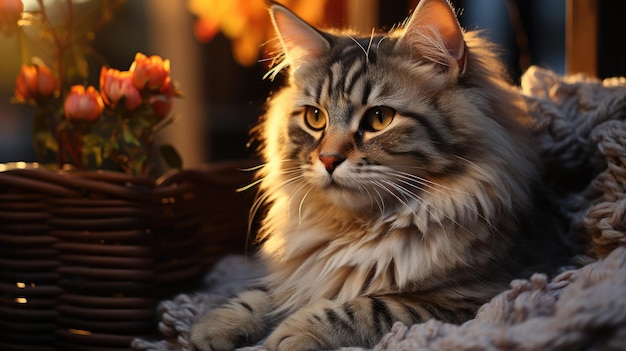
294, 195
378, 44
249, 186
392, 193
361, 46
264, 197
378, 201
428, 208
369, 45
253, 168
425, 184
300, 207
428, 183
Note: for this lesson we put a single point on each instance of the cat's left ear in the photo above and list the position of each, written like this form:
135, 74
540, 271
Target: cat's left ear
300, 41
435, 20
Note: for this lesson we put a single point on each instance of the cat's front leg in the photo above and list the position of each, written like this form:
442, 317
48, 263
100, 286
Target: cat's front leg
328, 325
239, 322
361, 321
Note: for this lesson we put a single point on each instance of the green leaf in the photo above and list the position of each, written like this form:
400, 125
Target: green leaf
94, 145
171, 156
142, 122
138, 162
76, 65
46, 140
82, 66
129, 138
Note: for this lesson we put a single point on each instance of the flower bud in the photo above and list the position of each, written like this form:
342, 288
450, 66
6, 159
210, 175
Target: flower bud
116, 85
162, 101
161, 105
83, 104
152, 72
10, 13
34, 82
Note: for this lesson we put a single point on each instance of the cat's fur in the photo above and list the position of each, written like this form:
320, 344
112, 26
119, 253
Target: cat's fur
367, 227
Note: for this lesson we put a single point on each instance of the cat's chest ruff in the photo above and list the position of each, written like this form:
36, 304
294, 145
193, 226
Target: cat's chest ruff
343, 259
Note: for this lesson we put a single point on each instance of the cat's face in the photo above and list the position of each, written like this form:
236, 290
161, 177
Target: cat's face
366, 128
378, 122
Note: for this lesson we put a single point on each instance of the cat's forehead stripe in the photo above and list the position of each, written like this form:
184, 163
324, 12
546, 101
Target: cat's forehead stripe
356, 71
367, 89
337, 75
324, 89
345, 78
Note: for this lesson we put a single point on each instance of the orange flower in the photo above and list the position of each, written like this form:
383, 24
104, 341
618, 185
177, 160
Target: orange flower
116, 85
152, 71
83, 104
33, 82
10, 13
161, 103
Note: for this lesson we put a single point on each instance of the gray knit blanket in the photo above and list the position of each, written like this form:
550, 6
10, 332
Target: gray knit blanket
581, 133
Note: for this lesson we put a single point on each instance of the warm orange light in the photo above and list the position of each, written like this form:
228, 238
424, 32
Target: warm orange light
79, 332
246, 22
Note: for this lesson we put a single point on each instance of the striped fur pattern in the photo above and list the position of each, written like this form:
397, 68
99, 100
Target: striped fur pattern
396, 172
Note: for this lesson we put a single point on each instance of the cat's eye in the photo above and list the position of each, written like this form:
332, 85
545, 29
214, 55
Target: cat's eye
378, 118
314, 118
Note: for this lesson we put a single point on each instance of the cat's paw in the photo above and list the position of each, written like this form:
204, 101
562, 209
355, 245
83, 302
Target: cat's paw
210, 333
303, 330
239, 322
293, 343
292, 338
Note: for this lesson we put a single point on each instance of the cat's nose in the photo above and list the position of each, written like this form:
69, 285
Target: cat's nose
331, 161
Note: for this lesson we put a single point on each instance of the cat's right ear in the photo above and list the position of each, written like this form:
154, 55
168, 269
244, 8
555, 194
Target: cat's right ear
300, 42
434, 25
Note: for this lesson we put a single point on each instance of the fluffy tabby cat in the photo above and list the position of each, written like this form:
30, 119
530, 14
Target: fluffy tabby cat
397, 174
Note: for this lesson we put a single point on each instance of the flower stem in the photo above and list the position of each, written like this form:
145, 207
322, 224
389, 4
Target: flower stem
70, 16
59, 46
22, 47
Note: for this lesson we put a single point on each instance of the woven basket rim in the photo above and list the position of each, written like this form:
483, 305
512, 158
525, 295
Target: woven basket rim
111, 184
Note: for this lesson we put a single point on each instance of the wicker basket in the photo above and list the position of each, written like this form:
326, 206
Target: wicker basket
86, 256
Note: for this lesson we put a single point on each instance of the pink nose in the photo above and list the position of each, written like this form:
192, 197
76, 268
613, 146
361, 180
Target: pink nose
331, 161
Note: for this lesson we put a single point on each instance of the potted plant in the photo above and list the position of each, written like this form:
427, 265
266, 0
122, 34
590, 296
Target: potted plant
77, 125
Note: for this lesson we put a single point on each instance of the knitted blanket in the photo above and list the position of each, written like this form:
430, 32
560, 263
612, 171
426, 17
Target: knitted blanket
581, 133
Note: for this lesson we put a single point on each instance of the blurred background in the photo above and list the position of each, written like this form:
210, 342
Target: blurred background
215, 48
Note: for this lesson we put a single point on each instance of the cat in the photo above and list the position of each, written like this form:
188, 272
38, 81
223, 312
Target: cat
398, 175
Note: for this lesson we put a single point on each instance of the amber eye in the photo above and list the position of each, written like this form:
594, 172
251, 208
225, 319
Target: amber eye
378, 118
314, 118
